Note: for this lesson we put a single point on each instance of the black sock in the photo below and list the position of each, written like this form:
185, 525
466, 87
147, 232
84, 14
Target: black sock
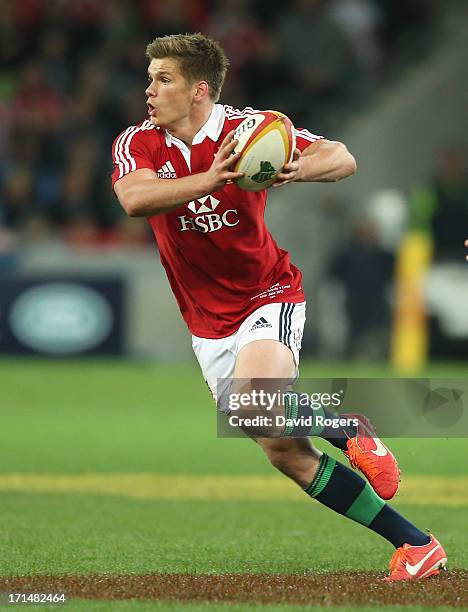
396, 529
305, 420
342, 490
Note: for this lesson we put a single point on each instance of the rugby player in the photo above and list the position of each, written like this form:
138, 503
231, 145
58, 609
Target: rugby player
238, 292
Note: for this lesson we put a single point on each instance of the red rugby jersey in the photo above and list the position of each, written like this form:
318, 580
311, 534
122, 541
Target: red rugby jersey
221, 261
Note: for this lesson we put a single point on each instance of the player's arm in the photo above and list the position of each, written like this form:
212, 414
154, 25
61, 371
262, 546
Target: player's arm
142, 194
323, 161
466, 244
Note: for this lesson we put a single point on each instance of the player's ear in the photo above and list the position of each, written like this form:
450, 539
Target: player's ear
201, 90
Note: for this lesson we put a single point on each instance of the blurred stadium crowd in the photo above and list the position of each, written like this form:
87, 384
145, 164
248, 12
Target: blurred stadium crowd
73, 74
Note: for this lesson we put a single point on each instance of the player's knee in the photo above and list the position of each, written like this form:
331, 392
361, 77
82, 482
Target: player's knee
258, 423
257, 407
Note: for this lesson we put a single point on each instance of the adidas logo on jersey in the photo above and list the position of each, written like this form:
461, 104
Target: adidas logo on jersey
167, 171
262, 322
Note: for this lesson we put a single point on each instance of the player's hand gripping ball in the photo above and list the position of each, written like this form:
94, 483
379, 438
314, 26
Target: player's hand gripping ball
267, 142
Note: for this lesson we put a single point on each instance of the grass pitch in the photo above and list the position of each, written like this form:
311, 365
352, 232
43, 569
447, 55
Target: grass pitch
115, 468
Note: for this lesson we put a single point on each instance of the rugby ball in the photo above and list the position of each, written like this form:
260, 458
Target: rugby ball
267, 142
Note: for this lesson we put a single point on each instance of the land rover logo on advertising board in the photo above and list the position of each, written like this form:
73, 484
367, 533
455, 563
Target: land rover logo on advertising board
61, 318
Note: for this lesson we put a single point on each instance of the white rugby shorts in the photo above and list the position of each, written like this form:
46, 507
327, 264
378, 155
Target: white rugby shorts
280, 321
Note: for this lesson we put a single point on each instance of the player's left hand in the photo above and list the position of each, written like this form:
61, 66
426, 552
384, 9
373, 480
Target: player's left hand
289, 172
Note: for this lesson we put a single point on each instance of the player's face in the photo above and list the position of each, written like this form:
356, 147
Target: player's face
169, 94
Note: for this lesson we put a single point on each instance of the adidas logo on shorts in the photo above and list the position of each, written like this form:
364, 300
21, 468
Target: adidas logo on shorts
262, 322
167, 171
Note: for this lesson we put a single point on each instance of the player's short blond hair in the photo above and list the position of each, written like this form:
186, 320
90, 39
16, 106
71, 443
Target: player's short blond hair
200, 58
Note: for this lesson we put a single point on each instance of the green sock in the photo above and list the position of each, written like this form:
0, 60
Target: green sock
342, 490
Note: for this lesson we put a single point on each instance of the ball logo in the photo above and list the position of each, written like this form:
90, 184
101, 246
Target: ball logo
248, 124
206, 220
266, 172
61, 318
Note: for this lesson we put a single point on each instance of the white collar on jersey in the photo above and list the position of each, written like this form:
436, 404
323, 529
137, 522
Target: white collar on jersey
212, 128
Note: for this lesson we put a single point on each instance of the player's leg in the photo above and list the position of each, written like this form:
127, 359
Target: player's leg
296, 458
332, 483
261, 361
316, 473
358, 440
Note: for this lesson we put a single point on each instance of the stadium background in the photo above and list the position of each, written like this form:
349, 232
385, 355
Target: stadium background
92, 346
387, 84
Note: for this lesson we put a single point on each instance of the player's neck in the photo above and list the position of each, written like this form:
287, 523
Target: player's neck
191, 125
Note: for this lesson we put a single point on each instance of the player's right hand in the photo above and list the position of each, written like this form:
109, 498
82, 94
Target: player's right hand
220, 171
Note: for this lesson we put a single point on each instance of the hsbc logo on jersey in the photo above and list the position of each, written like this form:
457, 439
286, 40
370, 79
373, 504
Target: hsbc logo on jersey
206, 220
206, 204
